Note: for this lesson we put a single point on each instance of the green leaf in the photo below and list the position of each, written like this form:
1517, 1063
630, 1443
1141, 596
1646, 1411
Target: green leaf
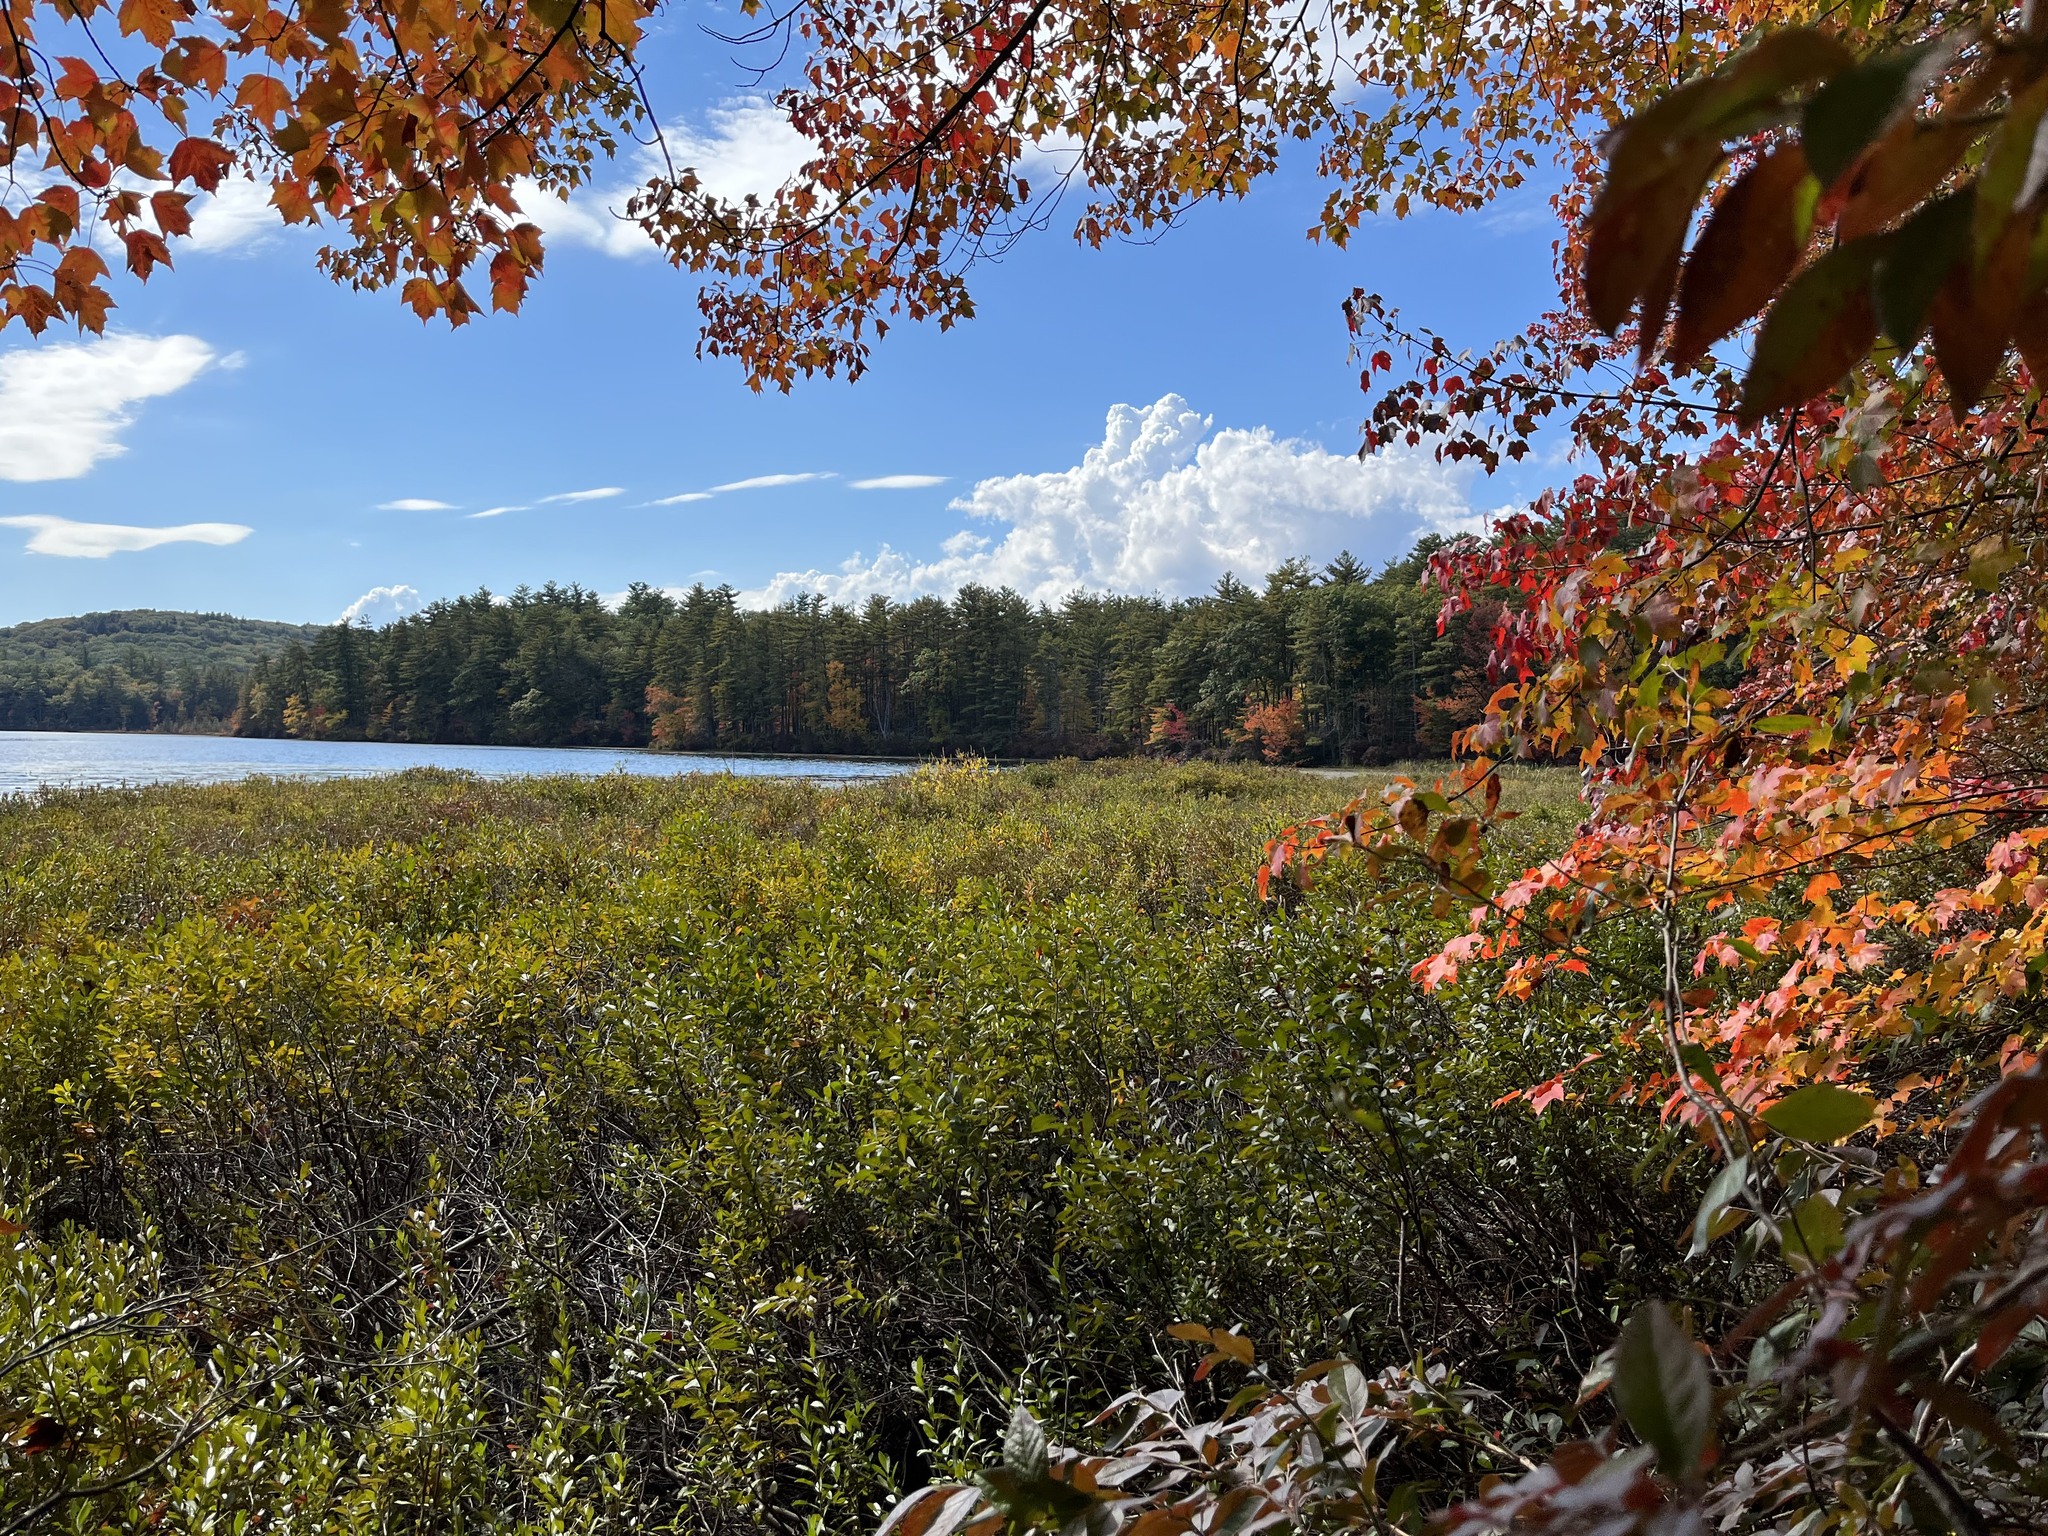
1785, 725
1819, 329
1347, 1385
1728, 1186
1662, 1387
1990, 559
1821, 1112
1982, 694
1024, 1449
1700, 1064
1812, 1234
2011, 172
1851, 110
1915, 262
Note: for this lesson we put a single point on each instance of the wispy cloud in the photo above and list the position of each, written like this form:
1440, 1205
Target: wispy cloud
415, 504
62, 408
676, 501
96, 541
898, 482
496, 511
598, 493
766, 482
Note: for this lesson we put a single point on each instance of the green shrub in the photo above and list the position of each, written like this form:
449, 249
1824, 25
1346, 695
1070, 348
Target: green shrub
719, 1155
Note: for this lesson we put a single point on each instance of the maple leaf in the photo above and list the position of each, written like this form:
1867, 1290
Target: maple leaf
59, 211
200, 63
423, 296
508, 281
76, 279
33, 306
265, 96
146, 252
170, 212
76, 79
200, 161
156, 20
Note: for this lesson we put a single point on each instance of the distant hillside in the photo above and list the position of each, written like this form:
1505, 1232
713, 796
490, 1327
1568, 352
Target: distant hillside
136, 669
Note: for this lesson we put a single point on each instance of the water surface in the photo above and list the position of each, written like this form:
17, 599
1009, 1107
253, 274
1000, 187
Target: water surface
32, 760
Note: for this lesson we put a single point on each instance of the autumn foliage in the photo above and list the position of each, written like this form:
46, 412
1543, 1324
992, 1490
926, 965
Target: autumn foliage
419, 136
1786, 620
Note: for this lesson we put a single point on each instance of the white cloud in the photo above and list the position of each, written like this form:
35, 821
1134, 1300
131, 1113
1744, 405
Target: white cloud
764, 482
415, 504
380, 605
677, 501
496, 511
746, 148
600, 493
1161, 505
96, 541
63, 406
743, 148
898, 482
237, 219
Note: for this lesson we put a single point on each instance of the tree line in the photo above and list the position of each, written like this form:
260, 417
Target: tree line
1338, 664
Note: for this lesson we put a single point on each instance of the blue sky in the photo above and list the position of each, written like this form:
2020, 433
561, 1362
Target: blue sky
242, 391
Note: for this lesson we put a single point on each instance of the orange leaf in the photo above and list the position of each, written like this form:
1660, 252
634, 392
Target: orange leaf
62, 202
202, 161
423, 296
76, 79
156, 20
508, 282
170, 213
76, 274
1748, 248
146, 250
265, 96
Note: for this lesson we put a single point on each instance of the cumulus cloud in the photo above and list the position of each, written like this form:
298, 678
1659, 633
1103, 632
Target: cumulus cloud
380, 605
898, 482
1162, 505
598, 493
742, 148
63, 406
96, 541
766, 482
415, 504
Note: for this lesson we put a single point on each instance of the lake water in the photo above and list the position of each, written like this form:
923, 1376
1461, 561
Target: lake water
32, 760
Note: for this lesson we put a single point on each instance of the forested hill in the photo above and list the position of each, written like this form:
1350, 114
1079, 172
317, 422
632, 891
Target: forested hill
135, 669
1331, 664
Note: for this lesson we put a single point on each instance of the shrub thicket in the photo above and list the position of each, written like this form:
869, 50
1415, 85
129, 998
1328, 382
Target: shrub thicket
721, 1155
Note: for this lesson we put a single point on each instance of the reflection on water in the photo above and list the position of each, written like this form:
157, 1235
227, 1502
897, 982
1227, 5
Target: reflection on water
34, 759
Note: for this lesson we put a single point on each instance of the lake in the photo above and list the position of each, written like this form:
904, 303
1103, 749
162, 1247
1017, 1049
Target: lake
31, 760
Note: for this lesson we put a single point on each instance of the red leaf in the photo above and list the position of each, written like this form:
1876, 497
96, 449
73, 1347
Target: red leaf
202, 161
170, 212
146, 250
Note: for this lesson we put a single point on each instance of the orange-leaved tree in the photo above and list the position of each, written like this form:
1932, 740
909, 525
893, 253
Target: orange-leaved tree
1787, 619
419, 134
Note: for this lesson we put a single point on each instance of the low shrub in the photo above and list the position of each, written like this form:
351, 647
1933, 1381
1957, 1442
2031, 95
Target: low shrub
715, 1155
